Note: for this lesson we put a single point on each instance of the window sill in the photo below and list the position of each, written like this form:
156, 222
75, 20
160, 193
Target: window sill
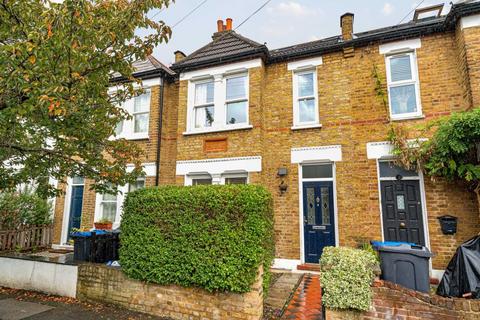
309, 126
190, 133
134, 137
403, 118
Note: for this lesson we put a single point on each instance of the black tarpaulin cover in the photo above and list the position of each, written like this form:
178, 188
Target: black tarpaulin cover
463, 272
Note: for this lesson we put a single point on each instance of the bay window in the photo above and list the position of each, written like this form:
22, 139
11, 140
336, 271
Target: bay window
218, 103
403, 86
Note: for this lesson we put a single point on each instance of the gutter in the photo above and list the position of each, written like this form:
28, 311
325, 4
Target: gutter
159, 133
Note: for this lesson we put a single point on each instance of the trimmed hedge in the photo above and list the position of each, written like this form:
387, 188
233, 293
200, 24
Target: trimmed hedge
346, 277
214, 237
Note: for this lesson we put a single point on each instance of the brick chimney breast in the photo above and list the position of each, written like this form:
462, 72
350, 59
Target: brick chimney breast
346, 22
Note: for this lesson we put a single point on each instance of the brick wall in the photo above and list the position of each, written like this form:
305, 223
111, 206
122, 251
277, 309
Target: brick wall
149, 147
351, 116
391, 301
108, 285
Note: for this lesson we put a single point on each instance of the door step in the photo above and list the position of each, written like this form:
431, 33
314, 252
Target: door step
309, 267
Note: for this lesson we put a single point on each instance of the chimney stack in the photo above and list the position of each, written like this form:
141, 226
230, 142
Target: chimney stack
346, 22
221, 27
179, 56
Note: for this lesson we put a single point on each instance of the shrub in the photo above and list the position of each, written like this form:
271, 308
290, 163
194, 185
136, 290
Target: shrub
214, 237
346, 277
19, 209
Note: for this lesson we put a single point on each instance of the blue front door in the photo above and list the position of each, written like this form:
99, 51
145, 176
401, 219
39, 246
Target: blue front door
318, 219
76, 203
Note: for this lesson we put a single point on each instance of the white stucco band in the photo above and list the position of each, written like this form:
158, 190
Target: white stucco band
312, 154
399, 46
470, 21
378, 150
219, 166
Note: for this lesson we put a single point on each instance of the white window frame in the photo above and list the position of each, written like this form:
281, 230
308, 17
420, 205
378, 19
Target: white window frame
219, 74
245, 99
128, 131
195, 107
415, 81
296, 99
235, 175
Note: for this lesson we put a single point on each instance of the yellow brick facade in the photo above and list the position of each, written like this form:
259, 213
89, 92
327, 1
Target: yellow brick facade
351, 116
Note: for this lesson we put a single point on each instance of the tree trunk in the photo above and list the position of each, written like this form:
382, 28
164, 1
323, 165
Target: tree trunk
477, 191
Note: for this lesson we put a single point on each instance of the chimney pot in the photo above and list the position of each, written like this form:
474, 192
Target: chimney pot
229, 23
219, 25
179, 56
346, 22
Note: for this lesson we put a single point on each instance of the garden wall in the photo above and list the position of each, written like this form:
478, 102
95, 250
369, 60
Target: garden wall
392, 301
109, 285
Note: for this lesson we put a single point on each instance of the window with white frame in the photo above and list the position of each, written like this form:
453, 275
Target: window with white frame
219, 103
204, 108
139, 108
403, 86
236, 100
201, 179
305, 98
108, 206
235, 178
139, 184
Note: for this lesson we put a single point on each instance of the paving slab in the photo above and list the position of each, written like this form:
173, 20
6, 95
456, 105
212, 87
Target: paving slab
281, 291
11, 309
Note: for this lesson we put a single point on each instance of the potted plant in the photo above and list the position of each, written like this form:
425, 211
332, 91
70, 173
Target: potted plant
103, 224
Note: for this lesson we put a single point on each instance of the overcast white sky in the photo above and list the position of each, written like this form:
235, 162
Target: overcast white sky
281, 23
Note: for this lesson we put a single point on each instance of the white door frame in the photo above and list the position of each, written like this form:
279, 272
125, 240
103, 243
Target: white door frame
422, 198
66, 209
300, 201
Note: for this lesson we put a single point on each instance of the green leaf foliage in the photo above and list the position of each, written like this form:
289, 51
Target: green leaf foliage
26, 208
213, 237
346, 278
56, 113
452, 152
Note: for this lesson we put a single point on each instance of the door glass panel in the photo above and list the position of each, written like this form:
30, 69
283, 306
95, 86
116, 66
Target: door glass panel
311, 206
77, 180
401, 202
317, 171
325, 206
388, 169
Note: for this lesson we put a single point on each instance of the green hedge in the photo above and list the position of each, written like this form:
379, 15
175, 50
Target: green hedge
346, 277
214, 237
26, 208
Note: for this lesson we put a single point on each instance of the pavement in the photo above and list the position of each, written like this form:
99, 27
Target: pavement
21, 304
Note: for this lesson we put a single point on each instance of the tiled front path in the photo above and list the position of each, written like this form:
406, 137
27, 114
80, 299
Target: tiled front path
306, 303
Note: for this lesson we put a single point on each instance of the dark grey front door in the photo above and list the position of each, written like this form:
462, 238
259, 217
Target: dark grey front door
402, 211
318, 219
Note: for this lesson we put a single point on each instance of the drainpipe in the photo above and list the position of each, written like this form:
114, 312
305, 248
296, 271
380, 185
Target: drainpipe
159, 132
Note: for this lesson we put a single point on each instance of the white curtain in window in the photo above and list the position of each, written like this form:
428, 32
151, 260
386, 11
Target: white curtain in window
204, 93
401, 68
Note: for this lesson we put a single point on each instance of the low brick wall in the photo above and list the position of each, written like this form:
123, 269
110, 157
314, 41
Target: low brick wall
392, 301
109, 285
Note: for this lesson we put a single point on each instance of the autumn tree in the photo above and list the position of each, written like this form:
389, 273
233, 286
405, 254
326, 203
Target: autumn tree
57, 115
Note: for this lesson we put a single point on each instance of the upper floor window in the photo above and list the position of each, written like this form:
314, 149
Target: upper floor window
403, 86
219, 103
305, 109
237, 100
139, 109
204, 107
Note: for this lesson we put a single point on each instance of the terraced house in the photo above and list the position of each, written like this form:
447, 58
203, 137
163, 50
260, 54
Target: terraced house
306, 122
80, 207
